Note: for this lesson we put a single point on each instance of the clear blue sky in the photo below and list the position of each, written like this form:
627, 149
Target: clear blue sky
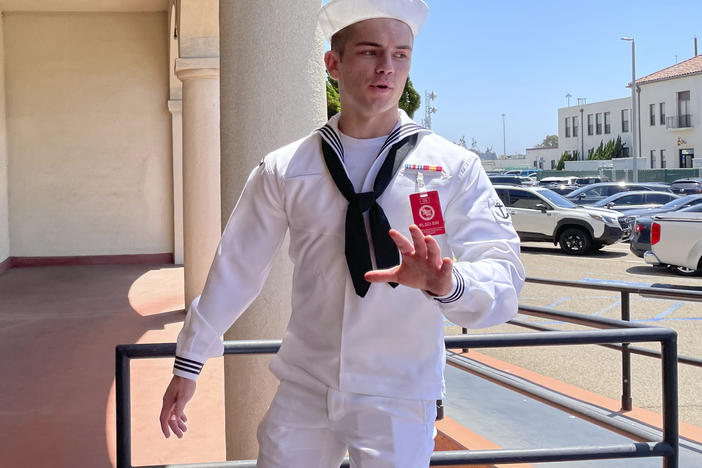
485, 58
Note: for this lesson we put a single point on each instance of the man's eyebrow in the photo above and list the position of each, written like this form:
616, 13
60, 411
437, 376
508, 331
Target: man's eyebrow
375, 44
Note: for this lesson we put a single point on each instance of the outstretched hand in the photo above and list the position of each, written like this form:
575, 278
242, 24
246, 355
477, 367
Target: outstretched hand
422, 266
177, 395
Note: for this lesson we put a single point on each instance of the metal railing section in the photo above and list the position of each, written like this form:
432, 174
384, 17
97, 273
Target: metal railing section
625, 292
667, 448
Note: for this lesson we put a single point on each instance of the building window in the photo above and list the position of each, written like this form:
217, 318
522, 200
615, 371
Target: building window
598, 123
652, 114
575, 126
590, 127
608, 127
553, 164
653, 159
625, 120
663, 159
661, 108
567, 127
625, 151
684, 117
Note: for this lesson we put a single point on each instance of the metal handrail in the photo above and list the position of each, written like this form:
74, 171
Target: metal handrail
625, 292
668, 448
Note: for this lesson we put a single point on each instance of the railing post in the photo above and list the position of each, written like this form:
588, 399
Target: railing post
669, 350
465, 332
626, 358
122, 403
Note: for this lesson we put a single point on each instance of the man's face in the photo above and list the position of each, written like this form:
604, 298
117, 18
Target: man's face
374, 66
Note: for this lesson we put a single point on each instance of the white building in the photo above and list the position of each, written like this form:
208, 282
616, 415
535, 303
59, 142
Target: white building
544, 157
669, 103
669, 112
583, 127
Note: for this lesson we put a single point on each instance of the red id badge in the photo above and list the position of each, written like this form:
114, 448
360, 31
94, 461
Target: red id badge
426, 211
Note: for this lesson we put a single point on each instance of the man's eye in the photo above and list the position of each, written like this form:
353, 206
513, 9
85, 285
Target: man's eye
400, 55
368, 52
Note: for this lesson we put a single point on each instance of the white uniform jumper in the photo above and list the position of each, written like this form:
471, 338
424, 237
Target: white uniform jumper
390, 342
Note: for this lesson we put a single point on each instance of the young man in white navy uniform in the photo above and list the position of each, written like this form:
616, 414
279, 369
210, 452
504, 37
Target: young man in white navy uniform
377, 207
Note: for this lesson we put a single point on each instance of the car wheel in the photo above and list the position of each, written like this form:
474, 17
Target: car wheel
575, 241
684, 271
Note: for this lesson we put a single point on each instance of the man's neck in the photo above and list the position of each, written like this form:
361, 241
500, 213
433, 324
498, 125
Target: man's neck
363, 126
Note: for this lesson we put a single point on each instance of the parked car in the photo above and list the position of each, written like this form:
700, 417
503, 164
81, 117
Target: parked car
511, 180
640, 199
673, 205
549, 182
523, 172
583, 181
539, 214
595, 192
686, 186
676, 241
641, 232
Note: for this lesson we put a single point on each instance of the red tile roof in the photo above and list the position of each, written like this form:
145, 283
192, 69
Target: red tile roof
688, 67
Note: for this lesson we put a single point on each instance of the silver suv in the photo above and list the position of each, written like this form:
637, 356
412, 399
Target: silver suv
539, 214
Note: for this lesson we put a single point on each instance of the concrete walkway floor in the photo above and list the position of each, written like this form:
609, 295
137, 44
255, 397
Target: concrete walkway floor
58, 330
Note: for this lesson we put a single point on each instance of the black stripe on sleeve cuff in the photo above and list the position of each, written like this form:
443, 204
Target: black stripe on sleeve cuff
457, 293
187, 365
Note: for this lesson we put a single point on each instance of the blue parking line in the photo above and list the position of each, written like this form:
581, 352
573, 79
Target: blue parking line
559, 301
668, 311
609, 307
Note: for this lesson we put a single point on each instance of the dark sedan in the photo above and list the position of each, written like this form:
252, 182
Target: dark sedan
674, 205
641, 237
686, 186
595, 192
638, 200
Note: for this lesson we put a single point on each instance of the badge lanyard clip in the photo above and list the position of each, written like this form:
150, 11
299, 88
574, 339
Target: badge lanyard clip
421, 188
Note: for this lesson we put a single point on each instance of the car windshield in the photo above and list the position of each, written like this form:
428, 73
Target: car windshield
678, 202
556, 199
692, 209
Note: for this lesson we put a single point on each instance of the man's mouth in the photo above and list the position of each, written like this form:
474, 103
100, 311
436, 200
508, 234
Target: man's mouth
381, 86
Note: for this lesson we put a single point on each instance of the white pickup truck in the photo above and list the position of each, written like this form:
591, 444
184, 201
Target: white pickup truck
676, 242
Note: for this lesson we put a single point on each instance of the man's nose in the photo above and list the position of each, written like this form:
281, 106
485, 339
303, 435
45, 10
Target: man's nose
384, 64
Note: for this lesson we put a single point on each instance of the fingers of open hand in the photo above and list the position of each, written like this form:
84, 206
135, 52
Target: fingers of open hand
403, 244
165, 414
382, 276
433, 252
420, 245
176, 422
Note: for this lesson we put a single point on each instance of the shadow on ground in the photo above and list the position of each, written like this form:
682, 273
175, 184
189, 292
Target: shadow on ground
555, 251
58, 330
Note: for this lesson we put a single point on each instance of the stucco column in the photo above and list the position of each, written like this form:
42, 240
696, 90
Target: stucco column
273, 93
201, 196
175, 106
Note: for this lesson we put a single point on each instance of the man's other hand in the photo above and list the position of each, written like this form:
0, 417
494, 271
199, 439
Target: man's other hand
178, 394
422, 266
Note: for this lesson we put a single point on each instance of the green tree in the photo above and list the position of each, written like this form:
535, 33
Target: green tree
409, 101
566, 156
550, 141
611, 150
333, 104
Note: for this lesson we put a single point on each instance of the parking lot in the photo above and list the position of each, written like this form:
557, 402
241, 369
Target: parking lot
595, 368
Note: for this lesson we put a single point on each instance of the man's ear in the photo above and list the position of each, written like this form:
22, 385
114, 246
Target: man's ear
331, 60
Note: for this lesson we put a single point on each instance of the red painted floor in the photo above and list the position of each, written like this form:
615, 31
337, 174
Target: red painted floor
58, 330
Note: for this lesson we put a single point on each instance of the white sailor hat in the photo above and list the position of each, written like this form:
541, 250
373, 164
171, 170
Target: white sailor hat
337, 14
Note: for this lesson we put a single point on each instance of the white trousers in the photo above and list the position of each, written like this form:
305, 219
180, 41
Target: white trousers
314, 427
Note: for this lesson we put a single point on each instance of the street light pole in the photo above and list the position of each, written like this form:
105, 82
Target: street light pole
634, 127
504, 139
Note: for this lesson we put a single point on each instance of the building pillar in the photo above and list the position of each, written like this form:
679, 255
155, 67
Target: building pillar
272, 93
201, 169
175, 106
